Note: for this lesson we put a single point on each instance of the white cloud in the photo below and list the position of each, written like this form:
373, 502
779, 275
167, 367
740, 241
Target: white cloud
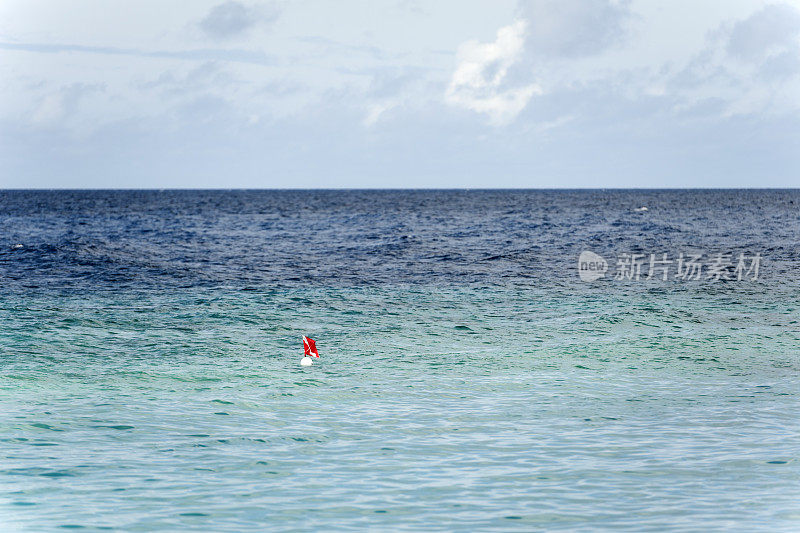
374, 112
478, 80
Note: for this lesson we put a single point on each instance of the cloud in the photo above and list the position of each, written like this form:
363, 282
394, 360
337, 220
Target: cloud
751, 65
375, 110
569, 28
55, 106
209, 76
773, 29
199, 54
479, 77
400, 88
782, 66
231, 19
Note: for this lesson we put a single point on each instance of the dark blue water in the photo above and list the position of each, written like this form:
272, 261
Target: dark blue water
127, 239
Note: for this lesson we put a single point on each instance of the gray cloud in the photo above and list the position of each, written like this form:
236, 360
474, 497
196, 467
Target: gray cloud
204, 77
775, 27
62, 103
738, 58
332, 46
231, 19
569, 28
202, 54
782, 66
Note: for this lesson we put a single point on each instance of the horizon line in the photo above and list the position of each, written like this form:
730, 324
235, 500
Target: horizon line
397, 189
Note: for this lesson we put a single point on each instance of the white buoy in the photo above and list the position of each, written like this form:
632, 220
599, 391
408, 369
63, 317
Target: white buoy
306, 361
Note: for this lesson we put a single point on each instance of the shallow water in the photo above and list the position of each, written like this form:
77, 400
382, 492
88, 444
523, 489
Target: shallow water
468, 379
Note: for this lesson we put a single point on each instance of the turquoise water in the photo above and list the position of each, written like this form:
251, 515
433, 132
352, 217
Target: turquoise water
468, 379
431, 409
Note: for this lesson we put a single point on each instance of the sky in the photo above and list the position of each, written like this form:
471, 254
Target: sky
399, 93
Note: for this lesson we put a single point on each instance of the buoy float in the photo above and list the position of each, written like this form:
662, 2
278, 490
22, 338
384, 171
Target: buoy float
309, 351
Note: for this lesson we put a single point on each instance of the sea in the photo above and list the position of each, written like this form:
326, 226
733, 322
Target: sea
491, 360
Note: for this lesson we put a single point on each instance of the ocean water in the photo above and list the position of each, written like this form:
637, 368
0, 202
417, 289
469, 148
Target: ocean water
469, 380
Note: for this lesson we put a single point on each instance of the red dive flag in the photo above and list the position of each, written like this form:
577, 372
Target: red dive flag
310, 347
